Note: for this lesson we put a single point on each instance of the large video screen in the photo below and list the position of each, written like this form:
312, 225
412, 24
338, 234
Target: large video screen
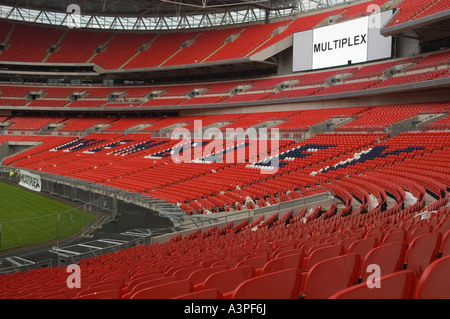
344, 43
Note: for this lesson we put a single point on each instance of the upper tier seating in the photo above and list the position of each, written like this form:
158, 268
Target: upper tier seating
304, 119
203, 46
13, 102
297, 25
359, 10
120, 49
81, 124
32, 124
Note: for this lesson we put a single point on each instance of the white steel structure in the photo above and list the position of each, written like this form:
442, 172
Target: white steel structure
139, 15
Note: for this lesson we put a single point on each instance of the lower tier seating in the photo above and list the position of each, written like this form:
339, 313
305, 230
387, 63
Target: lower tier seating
281, 259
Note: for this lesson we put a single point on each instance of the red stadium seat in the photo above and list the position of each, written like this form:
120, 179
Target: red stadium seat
257, 262
445, 245
199, 276
147, 284
282, 263
322, 254
226, 281
388, 257
362, 246
395, 236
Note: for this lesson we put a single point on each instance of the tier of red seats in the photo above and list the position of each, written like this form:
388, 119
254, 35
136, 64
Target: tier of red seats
347, 87
249, 38
57, 92
203, 46
34, 123
374, 118
120, 49
247, 97
288, 181
164, 101
297, 25
121, 125
443, 124
319, 77
360, 10
41, 146
81, 124
4, 29
206, 99
161, 49
295, 93
87, 103
224, 88
411, 78
321, 259
181, 90
380, 118
270, 84
15, 90
376, 69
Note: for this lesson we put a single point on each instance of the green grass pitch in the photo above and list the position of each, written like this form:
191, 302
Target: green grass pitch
28, 218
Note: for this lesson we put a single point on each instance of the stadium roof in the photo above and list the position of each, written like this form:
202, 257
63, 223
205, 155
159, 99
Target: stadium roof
143, 7
155, 14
